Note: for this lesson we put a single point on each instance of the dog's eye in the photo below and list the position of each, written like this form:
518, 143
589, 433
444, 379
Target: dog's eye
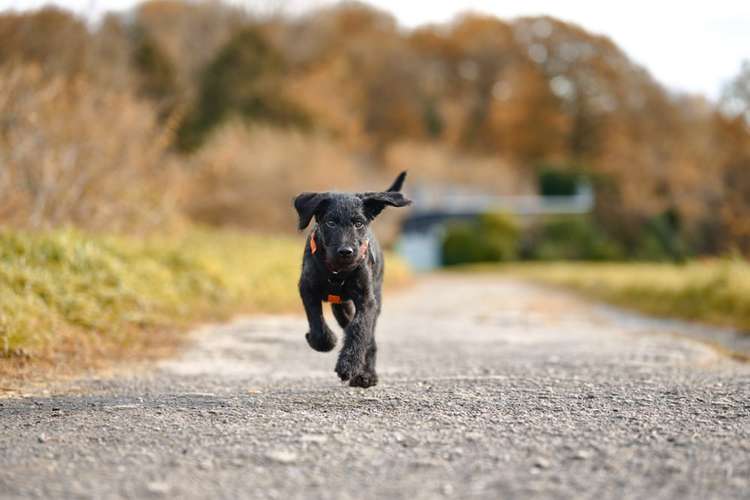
330, 223
358, 224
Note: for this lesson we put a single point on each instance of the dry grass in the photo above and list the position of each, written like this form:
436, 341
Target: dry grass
712, 291
436, 164
72, 301
248, 177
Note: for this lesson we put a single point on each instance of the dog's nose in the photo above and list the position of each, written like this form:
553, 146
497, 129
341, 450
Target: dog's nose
346, 251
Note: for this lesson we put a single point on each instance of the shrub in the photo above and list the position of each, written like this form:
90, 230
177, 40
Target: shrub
247, 177
558, 182
571, 238
492, 238
75, 153
660, 239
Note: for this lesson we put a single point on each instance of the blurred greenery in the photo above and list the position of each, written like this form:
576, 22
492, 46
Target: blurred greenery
493, 237
556, 181
498, 238
660, 239
570, 238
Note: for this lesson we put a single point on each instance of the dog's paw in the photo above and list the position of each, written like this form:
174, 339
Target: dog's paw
324, 341
364, 379
348, 366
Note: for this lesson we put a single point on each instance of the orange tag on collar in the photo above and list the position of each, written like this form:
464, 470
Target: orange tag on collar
334, 299
313, 245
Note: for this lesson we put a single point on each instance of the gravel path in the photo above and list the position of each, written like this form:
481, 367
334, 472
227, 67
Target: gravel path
490, 388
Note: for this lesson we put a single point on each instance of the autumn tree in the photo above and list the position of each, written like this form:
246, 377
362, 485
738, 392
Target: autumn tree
735, 98
52, 38
734, 127
244, 79
188, 34
157, 78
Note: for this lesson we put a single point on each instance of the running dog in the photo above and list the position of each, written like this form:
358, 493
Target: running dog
343, 265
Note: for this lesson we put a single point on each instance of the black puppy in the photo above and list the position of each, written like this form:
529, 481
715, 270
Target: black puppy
343, 265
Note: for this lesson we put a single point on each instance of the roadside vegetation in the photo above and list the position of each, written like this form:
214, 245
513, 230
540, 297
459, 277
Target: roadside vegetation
72, 300
710, 291
657, 274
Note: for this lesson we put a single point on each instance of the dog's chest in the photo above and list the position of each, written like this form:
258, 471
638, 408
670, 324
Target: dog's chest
334, 291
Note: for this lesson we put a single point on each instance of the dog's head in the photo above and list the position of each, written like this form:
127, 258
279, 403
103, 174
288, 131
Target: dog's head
343, 221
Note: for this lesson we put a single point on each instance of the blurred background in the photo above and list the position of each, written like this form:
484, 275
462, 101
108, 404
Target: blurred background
133, 117
150, 151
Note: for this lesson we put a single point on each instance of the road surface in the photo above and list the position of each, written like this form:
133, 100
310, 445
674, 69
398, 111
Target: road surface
490, 388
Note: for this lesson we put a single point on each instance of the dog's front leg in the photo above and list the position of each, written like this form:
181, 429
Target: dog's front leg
368, 376
359, 338
320, 337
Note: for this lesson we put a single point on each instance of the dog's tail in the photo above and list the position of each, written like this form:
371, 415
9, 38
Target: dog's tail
398, 183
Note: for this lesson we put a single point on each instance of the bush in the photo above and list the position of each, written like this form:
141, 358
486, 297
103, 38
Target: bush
558, 182
660, 239
75, 153
492, 238
571, 238
247, 177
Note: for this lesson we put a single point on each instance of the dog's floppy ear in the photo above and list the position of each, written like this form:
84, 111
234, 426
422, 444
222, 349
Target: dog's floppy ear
309, 204
374, 203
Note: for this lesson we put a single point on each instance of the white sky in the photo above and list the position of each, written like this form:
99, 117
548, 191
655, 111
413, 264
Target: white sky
689, 45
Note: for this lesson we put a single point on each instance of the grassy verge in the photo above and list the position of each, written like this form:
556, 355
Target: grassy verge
716, 292
70, 301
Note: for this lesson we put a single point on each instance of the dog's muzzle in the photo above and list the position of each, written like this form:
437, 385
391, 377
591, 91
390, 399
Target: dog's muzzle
348, 264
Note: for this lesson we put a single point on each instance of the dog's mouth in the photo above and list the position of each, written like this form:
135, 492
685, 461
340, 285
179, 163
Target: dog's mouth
343, 264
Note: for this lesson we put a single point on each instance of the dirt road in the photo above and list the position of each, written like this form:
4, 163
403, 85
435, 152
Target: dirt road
490, 388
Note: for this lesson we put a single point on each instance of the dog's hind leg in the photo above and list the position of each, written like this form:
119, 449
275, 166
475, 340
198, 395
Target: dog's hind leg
357, 358
343, 313
357, 337
369, 377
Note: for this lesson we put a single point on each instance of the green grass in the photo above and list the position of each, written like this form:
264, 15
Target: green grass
715, 291
82, 289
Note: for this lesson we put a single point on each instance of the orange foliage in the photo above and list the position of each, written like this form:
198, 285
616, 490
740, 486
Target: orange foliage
462, 102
